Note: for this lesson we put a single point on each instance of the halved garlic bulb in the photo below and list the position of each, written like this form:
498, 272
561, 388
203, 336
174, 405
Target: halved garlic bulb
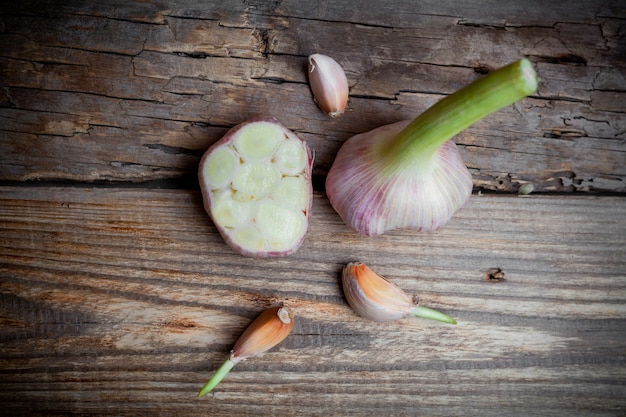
256, 184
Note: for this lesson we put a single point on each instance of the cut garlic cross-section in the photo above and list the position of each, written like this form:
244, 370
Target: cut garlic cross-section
256, 187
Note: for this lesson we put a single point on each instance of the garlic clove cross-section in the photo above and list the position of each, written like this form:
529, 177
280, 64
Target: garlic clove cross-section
256, 187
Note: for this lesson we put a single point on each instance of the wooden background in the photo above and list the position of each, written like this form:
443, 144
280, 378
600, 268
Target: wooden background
118, 297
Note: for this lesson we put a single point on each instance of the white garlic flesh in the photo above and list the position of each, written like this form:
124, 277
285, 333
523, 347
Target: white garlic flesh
256, 186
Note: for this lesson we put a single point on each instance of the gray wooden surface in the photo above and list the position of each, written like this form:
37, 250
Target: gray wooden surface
139, 91
118, 296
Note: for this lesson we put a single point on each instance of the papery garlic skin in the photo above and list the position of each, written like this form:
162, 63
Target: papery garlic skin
373, 297
329, 84
266, 331
373, 198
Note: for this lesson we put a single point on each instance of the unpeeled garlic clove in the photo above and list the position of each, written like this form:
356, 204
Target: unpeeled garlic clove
329, 84
266, 331
372, 296
378, 299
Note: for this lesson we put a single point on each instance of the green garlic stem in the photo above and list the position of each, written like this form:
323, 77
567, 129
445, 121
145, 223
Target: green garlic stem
429, 313
423, 136
217, 377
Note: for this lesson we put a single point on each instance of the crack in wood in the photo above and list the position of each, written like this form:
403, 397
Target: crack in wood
468, 23
173, 150
195, 55
562, 59
604, 183
556, 133
373, 97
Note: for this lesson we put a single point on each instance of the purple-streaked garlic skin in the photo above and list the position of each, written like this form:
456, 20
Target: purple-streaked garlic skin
372, 196
208, 202
329, 84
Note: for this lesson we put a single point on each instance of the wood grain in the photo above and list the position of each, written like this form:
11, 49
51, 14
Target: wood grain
119, 298
123, 301
136, 92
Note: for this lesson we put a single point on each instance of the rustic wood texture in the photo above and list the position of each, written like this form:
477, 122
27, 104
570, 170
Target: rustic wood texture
134, 92
107, 309
118, 297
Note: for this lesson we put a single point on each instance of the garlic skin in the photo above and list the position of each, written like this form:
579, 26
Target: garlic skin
270, 328
377, 299
373, 197
265, 332
329, 84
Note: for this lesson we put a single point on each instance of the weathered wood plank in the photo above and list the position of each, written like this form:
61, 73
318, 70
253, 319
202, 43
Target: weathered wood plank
406, 13
139, 90
122, 301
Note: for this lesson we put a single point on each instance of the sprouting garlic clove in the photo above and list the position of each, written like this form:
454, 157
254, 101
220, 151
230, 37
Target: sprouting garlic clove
270, 328
265, 332
375, 298
372, 296
329, 84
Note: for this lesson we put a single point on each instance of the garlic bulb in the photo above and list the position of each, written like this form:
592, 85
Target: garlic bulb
372, 197
378, 299
329, 84
409, 175
266, 331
